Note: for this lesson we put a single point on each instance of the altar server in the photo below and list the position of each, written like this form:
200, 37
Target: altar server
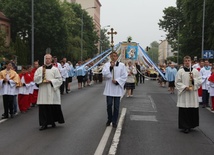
24, 90
34, 96
115, 74
9, 80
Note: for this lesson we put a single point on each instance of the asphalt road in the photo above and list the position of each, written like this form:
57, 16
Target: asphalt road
85, 117
150, 126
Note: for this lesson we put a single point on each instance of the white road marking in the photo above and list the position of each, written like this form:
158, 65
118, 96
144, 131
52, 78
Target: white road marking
3, 120
143, 118
116, 139
210, 110
153, 103
103, 141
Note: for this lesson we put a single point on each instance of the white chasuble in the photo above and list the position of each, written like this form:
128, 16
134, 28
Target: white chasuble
120, 75
187, 99
49, 93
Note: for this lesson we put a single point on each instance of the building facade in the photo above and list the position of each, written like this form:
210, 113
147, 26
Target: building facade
164, 51
5, 27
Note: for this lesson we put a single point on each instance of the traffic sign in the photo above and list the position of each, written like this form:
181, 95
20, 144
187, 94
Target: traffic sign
208, 54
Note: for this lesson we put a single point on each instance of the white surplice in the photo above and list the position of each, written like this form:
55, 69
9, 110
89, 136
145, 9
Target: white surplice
120, 75
187, 99
49, 94
25, 90
205, 74
9, 88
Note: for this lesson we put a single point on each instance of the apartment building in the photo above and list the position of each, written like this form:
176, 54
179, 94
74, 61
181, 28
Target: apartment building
164, 51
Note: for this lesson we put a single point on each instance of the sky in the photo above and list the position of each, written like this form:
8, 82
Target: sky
136, 18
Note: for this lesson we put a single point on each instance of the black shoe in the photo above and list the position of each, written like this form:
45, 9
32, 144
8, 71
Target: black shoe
12, 115
2, 114
114, 125
186, 130
203, 106
4, 117
108, 123
53, 125
43, 127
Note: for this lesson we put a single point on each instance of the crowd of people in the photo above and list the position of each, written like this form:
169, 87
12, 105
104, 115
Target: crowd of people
21, 90
204, 67
194, 81
21, 85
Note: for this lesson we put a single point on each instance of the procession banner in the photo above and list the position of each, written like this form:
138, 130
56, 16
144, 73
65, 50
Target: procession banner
132, 51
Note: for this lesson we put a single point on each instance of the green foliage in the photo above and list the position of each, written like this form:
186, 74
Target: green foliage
2, 41
57, 26
21, 51
105, 43
129, 39
183, 24
153, 51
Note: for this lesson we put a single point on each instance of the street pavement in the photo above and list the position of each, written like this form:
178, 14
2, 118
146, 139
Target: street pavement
150, 126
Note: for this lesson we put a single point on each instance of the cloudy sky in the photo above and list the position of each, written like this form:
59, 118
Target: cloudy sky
136, 18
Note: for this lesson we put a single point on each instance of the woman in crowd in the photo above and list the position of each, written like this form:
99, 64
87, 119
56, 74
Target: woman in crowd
130, 82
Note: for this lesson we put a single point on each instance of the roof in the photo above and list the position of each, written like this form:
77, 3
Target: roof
99, 3
3, 17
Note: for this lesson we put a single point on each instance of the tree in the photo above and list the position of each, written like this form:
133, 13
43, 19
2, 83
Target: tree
49, 28
90, 35
57, 26
105, 43
153, 51
21, 51
2, 42
183, 25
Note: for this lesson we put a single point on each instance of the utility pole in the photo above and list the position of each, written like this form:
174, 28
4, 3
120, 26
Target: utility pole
202, 46
32, 35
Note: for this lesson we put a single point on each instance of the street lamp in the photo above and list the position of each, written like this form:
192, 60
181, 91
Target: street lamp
101, 41
82, 29
202, 46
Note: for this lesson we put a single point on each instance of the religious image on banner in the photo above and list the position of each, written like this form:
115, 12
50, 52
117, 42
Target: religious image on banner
131, 52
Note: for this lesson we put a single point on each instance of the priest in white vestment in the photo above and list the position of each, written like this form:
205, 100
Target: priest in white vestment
49, 80
115, 74
188, 80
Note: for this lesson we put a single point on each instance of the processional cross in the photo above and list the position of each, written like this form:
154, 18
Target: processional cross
112, 38
112, 33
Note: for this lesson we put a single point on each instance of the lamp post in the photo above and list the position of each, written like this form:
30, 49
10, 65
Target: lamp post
202, 46
32, 32
82, 29
101, 41
178, 43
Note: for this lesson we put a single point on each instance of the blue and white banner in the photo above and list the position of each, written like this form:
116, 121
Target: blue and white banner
132, 52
